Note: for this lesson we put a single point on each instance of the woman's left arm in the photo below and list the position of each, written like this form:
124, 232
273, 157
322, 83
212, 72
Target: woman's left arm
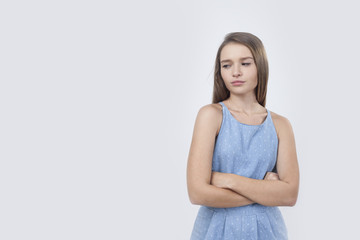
283, 192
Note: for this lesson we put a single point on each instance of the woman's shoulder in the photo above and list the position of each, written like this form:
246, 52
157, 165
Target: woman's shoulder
212, 109
212, 113
281, 123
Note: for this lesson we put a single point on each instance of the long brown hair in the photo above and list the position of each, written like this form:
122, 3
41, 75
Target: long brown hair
220, 92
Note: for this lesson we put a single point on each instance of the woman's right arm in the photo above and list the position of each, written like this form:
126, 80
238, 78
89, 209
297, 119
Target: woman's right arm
199, 166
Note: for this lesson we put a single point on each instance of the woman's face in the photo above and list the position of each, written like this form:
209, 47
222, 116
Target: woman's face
237, 63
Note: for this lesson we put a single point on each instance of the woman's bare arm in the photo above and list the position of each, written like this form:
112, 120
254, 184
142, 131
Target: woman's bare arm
281, 192
227, 198
265, 192
212, 196
199, 167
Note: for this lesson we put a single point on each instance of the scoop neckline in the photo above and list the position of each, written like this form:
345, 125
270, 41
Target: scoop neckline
258, 125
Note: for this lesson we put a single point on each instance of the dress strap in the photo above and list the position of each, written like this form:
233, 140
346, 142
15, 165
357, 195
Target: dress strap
222, 104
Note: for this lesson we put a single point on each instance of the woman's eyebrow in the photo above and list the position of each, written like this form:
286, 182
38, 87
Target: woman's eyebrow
228, 60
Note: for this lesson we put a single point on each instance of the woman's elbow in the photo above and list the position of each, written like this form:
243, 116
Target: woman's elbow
192, 196
194, 201
293, 198
195, 195
292, 201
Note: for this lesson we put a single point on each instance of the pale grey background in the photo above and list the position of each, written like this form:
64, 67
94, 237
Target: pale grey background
98, 101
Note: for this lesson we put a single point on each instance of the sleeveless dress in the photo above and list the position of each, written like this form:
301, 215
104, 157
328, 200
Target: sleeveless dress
249, 151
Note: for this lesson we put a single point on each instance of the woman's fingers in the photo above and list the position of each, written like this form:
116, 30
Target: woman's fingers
271, 176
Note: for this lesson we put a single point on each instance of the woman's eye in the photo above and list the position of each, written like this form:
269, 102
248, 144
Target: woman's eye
244, 64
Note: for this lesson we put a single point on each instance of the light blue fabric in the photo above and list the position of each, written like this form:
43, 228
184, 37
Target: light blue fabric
250, 151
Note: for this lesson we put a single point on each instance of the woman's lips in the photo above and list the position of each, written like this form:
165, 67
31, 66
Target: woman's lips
237, 83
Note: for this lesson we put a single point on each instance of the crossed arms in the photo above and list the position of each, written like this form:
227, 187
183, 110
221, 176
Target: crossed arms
216, 189
271, 191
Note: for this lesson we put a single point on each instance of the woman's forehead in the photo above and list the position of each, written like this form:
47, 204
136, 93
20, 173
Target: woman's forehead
235, 51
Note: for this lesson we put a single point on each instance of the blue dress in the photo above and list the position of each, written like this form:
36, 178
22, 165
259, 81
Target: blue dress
249, 151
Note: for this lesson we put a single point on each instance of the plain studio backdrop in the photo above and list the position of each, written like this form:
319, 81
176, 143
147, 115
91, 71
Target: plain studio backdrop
98, 101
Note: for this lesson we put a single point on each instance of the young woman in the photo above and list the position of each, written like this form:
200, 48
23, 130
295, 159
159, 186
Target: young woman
242, 162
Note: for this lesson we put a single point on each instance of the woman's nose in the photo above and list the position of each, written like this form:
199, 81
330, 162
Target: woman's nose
237, 71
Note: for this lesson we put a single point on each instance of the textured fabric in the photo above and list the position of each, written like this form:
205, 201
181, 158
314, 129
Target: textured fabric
249, 151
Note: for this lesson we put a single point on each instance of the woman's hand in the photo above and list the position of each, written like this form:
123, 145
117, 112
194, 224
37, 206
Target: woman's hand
271, 176
220, 179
